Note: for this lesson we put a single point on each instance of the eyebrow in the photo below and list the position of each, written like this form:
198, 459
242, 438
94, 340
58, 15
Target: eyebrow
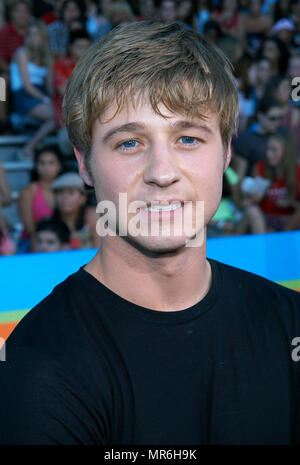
134, 127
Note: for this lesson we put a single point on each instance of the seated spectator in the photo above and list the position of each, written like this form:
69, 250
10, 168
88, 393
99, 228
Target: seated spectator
284, 30
7, 246
12, 36
63, 67
231, 21
167, 10
281, 200
97, 24
46, 10
246, 100
213, 31
51, 236
59, 30
277, 53
187, 14
147, 10
257, 26
32, 84
250, 146
72, 209
259, 75
279, 87
36, 201
120, 13
232, 217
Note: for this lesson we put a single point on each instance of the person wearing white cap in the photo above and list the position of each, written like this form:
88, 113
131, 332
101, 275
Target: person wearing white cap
283, 29
72, 209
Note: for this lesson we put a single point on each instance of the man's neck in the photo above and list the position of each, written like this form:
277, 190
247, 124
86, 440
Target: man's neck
162, 282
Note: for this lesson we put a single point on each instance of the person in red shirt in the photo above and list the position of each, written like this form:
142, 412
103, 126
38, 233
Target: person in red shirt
78, 44
281, 201
63, 67
12, 36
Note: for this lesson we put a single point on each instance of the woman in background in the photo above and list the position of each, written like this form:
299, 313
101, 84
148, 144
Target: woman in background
31, 83
281, 200
36, 201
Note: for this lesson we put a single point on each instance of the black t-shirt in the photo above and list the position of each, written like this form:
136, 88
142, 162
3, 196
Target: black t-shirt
86, 366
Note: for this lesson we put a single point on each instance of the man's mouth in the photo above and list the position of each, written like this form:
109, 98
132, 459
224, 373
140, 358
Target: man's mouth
163, 207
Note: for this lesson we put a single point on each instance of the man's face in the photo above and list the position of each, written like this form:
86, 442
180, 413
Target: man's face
152, 158
270, 121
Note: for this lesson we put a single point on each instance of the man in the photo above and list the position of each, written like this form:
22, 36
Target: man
151, 342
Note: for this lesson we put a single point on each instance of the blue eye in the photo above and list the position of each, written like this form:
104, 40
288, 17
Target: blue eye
129, 143
188, 140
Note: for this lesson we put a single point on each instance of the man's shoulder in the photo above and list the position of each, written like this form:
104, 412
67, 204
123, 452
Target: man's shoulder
53, 317
249, 285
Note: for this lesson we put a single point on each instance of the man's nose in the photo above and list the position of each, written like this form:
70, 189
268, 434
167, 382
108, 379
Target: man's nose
162, 168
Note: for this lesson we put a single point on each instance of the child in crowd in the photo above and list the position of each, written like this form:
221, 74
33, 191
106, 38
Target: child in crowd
72, 209
52, 236
36, 201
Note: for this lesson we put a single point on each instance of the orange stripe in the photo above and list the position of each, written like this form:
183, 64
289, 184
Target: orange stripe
7, 328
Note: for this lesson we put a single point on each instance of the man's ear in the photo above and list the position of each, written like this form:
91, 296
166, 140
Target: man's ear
227, 158
83, 171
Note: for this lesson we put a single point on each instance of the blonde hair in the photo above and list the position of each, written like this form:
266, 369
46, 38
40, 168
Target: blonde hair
163, 62
45, 52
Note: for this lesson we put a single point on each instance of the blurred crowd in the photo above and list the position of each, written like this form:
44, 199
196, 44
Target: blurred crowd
40, 43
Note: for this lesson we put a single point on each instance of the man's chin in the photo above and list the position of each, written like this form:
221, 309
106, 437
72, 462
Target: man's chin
160, 244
